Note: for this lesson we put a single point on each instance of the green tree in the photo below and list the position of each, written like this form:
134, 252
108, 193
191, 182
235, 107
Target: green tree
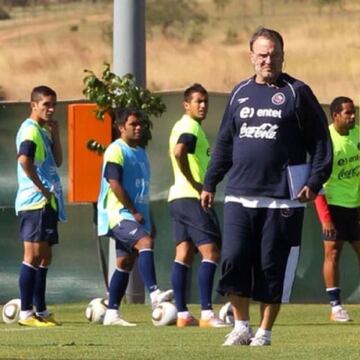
111, 92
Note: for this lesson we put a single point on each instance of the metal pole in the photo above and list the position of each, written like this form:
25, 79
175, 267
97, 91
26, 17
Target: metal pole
129, 57
129, 39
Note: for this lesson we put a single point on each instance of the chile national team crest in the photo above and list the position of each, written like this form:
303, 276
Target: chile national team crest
278, 99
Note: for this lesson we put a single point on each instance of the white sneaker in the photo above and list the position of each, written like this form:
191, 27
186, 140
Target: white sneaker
213, 322
117, 321
238, 337
260, 341
162, 296
340, 315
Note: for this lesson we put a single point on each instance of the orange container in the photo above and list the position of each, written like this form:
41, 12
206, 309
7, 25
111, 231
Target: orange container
85, 165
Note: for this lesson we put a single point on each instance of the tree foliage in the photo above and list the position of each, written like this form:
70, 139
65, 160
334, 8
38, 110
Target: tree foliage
111, 92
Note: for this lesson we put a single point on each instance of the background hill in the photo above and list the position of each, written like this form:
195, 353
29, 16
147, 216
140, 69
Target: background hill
205, 41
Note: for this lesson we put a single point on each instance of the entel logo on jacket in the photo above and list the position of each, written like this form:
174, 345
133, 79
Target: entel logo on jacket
249, 112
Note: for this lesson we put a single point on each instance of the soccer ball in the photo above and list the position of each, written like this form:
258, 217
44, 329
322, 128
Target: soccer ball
95, 310
226, 314
164, 314
11, 311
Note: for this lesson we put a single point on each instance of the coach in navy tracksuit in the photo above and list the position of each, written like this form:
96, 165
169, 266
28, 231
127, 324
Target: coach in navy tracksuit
271, 121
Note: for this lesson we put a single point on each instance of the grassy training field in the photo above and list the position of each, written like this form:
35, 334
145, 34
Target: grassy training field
301, 332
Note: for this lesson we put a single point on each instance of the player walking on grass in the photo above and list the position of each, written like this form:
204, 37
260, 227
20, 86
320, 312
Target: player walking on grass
338, 207
39, 203
192, 226
124, 213
271, 121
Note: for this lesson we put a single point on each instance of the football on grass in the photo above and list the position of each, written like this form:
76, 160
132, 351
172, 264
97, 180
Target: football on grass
11, 311
226, 314
95, 310
164, 314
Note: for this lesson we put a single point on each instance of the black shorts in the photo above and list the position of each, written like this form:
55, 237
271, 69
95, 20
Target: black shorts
191, 223
258, 260
346, 222
126, 234
39, 225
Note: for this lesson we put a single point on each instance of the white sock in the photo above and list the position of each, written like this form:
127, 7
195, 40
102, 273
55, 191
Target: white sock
154, 294
262, 332
207, 314
241, 325
183, 314
25, 314
111, 314
336, 308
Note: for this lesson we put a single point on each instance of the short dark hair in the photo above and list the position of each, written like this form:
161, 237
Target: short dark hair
121, 115
336, 104
39, 91
194, 88
268, 34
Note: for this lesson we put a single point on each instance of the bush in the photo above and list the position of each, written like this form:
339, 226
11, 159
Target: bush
111, 92
231, 37
4, 15
170, 14
196, 35
2, 94
17, 2
107, 33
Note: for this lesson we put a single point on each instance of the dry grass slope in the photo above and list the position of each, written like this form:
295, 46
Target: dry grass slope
54, 47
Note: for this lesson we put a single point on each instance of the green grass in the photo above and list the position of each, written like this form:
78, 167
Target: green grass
301, 332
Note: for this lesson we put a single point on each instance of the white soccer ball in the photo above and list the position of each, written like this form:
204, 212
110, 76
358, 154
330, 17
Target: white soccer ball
164, 314
11, 311
226, 314
95, 310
